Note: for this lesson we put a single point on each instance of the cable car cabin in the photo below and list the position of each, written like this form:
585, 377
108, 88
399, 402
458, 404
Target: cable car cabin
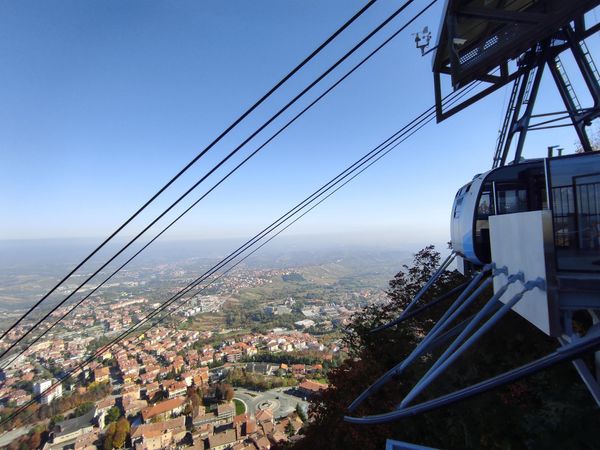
568, 186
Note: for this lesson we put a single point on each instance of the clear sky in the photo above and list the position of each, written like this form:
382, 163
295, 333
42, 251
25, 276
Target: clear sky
101, 102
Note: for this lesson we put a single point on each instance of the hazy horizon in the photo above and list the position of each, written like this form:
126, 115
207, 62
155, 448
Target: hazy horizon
60, 251
28, 268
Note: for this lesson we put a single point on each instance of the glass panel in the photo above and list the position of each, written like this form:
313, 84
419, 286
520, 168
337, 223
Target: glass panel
485, 208
458, 208
520, 188
575, 183
511, 200
485, 205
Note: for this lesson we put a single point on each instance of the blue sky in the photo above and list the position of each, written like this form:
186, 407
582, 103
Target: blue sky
101, 102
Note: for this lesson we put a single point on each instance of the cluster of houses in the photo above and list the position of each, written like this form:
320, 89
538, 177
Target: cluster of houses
152, 376
165, 426
175, 421
157, 354
45, 390
217, 429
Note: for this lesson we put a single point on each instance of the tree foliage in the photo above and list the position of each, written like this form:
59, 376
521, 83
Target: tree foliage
116, 434
301, 413
224, 392
550, 410
109, 436
31, 441
121, 432
196, 401
241, 377
289, 429
113, 414
83, 408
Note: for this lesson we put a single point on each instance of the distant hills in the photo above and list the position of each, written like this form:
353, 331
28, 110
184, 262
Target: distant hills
29, 268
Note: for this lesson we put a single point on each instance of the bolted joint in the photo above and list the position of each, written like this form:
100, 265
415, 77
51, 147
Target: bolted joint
539, 283
499, 270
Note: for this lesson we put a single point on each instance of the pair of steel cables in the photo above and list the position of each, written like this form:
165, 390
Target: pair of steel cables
310, 202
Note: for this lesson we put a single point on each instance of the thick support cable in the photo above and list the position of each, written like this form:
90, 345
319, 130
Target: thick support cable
364, 60
405, 132
462, 302
217, 166
569, 352
380, 154
196, 158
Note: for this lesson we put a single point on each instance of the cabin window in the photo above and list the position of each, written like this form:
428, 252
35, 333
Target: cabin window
458, 207
520, 188
575, 187
511, 200
485, 208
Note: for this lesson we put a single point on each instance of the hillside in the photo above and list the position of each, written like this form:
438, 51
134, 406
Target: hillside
551, 410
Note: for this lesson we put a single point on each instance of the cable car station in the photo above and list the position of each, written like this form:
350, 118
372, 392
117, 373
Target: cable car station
529, 228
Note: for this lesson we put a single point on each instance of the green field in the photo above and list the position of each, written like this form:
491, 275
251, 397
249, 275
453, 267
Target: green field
240, 408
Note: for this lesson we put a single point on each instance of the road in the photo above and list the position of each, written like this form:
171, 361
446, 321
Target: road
276, 399
9, 436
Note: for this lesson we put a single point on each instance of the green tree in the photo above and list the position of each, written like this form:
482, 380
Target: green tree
227, 392
121, 432
301, 413
35, 440
113, 414
289, 429
196, 401
56, 419
108, 436
83, 409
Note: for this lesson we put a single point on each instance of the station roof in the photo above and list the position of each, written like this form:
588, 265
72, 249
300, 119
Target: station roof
477, 36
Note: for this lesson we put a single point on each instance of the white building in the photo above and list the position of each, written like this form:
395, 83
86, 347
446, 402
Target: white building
43, 388
306, 323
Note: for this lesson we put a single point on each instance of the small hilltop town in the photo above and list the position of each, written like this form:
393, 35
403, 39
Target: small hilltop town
220, 373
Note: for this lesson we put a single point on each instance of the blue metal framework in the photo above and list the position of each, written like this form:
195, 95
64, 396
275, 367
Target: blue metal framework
569, 352
465, 335
399, 445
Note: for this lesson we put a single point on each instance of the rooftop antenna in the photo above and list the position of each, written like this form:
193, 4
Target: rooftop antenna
422, 40
551, 149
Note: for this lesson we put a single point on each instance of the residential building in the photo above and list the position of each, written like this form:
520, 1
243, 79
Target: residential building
158, 435
46, 391
163, 410
309, 388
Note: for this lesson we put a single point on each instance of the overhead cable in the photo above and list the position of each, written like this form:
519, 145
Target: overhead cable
209, 173
225, 177
371, 158
196, 158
